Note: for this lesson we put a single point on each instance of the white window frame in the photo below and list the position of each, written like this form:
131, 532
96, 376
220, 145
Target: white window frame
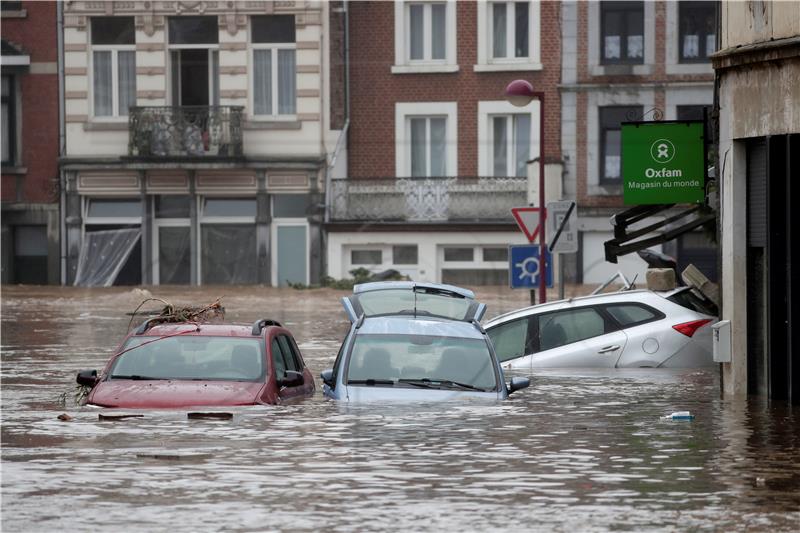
477, 262
402, 41
407, 110
488, 63
489, 109
597, 99
202, 219
593, 47
107, 221
273, 259
182, 222
673, 63
274, 47
679, 96
115, 49
212, 96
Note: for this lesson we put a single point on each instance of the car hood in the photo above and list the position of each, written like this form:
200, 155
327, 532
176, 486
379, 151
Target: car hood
165, 394
357, 393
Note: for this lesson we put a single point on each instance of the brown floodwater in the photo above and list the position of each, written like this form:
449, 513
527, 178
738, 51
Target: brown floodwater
581, 450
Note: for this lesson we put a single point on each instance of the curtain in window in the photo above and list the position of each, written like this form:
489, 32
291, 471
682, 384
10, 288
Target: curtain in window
101, 71
499, 30
612, 154
522, 142
416, 37
500, 146
229, 253
439, 30
419, 151
174, 259
521, 29
262, 82
635, 46
126, 72
438, 147
286, 82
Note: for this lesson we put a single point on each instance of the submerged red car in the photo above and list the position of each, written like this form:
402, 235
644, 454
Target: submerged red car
180, 365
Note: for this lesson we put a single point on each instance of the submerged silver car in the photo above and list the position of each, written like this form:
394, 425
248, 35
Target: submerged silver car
628, 329
415, 342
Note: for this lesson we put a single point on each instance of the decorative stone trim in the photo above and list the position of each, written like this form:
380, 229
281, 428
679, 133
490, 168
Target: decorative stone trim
272, 125
75, 71
76, 118
75, 47
108, 181
76, 95
308, 117
287, 181
149, 47
151, 95
232, 93
232, 70
308, 93
151, 71
308, 69
232, 47
307, 45
105, 126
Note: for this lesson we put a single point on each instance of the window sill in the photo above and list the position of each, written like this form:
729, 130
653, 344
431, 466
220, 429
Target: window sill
16, 14
690, 68
272, 124
10, 169
604, 189
622, 70
506, 67
423, 69
105, 126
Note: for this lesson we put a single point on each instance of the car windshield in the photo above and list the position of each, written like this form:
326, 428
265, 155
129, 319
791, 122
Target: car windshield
406, 360
413, 302
192, 358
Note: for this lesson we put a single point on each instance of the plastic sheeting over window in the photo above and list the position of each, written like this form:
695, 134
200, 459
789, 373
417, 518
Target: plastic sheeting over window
103, 254
229, 253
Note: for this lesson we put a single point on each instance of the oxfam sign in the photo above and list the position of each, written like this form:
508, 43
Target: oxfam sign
663, 162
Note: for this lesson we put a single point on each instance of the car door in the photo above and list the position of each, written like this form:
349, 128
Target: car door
291, 363
574, 337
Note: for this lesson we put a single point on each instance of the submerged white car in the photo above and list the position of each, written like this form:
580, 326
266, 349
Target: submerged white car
629, 329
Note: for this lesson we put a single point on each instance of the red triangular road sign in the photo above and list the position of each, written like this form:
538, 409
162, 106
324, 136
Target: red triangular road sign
528, 221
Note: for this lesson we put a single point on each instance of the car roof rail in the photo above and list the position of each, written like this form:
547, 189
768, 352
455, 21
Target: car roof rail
478, 326
360, 321
147, 324
258, 325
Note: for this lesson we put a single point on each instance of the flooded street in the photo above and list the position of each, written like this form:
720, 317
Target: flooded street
577, 451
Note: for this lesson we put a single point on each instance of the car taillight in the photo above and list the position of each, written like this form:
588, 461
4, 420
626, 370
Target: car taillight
689, 328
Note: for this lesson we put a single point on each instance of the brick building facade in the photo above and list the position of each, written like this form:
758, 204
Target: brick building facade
436, 156
628, 61
30, 229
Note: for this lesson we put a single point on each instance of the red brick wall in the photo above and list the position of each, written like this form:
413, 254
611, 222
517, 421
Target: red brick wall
375, 90
38, 111
659, 77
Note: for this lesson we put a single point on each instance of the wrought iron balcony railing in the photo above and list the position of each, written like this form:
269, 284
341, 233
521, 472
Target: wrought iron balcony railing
186, 131
426, 199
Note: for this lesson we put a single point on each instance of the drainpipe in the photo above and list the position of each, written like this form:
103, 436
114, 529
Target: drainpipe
62, 183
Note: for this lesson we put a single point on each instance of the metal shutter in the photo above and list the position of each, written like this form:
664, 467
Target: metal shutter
757, 193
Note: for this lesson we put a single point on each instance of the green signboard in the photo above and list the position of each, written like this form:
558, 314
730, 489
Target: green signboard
663, 162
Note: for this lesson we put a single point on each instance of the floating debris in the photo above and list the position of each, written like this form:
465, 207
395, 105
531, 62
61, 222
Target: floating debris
210, 416
64, 417
171, 314
174, 456
118, 417
679, 415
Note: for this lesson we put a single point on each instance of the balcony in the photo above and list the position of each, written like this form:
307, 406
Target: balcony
186, 131
445, 199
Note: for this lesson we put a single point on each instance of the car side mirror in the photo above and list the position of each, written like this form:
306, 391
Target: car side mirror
518, 383
327, 377
291, 378
87, 378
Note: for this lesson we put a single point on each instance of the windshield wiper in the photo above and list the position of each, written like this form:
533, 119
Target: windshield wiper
137, 377
370, 382
436, 383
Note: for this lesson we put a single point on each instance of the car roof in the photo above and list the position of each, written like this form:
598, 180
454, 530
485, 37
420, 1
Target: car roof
608, 297
210, 330
411, 285
387, 325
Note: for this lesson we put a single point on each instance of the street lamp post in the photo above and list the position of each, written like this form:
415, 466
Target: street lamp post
520, 93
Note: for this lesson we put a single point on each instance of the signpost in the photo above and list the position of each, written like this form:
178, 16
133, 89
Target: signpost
524, 267
562, 230
663, 162
528, 221
531, 221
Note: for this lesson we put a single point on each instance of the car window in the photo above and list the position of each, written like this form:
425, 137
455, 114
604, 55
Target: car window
277, 359
632, 314
407, 301
565, 327
191, 357
418, 357
509, 339
288, 354
690, 301
338, 361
